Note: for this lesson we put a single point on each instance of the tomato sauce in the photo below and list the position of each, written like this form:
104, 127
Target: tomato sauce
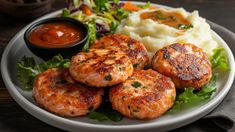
55, 35
168, 18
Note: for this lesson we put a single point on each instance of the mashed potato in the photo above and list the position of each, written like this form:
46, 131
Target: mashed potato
155, 35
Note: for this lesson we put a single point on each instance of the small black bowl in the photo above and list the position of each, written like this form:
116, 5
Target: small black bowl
47, 53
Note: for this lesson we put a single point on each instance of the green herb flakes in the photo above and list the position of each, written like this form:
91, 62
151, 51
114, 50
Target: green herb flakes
136, 65
108, 78
160, 16
136, 84
183, 26
136, 110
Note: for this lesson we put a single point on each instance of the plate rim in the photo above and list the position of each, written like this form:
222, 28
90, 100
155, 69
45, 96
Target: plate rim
54, 119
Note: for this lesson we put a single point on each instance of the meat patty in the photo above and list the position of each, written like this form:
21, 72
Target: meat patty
135, 50
52, 92
101, 67
186, 64
145, 95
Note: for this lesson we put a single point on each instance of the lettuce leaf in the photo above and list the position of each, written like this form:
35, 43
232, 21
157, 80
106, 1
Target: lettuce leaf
105, 115
190, 97
147, 5
27, 69
102, 5
92, 35
65, 13
219, 59
105, 112
120, 14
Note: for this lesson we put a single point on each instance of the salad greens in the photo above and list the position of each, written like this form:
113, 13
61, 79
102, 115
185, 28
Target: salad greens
219, 59
104, 18
102, 5
147, 5
65, 13
92, 35
28, 69
190, 97
105, 112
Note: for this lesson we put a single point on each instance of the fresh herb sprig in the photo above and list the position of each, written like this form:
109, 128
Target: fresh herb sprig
185, 26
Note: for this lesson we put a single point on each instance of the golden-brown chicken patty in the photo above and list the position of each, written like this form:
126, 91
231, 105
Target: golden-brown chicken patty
186, 64
52, 92
101, 67
135, 50
145, 95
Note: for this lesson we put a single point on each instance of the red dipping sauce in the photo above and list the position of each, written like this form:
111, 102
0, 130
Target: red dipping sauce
55, 35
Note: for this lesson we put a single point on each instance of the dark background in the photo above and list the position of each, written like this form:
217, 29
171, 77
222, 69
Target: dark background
14, 118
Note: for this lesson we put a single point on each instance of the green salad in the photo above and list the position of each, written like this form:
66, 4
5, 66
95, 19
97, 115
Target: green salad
102, 18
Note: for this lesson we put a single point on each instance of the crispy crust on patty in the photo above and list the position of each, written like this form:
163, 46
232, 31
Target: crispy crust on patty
135, 50
52, 92
145, 95
101, 67
186, 64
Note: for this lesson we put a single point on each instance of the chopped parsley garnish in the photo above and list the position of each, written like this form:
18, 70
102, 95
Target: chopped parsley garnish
147, 5
135, 65
136, 110
108, 77
173, 18
184, 26
160, 16
136, 84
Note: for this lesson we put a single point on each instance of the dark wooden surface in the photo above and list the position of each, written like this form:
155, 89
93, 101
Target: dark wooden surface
13, 118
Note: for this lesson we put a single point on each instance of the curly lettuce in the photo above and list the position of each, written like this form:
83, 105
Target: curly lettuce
27, 69
219, 59
190, 96
105, 113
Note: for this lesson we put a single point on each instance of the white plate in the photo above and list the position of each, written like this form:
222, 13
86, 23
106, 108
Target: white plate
17, 48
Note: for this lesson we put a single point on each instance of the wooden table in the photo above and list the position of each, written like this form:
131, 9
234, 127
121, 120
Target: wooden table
14, 118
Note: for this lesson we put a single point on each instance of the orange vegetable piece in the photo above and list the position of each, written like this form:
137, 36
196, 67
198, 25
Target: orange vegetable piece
86, 10
129, 6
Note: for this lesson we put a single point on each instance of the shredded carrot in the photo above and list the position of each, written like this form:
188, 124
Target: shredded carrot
86, 10
129, 6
